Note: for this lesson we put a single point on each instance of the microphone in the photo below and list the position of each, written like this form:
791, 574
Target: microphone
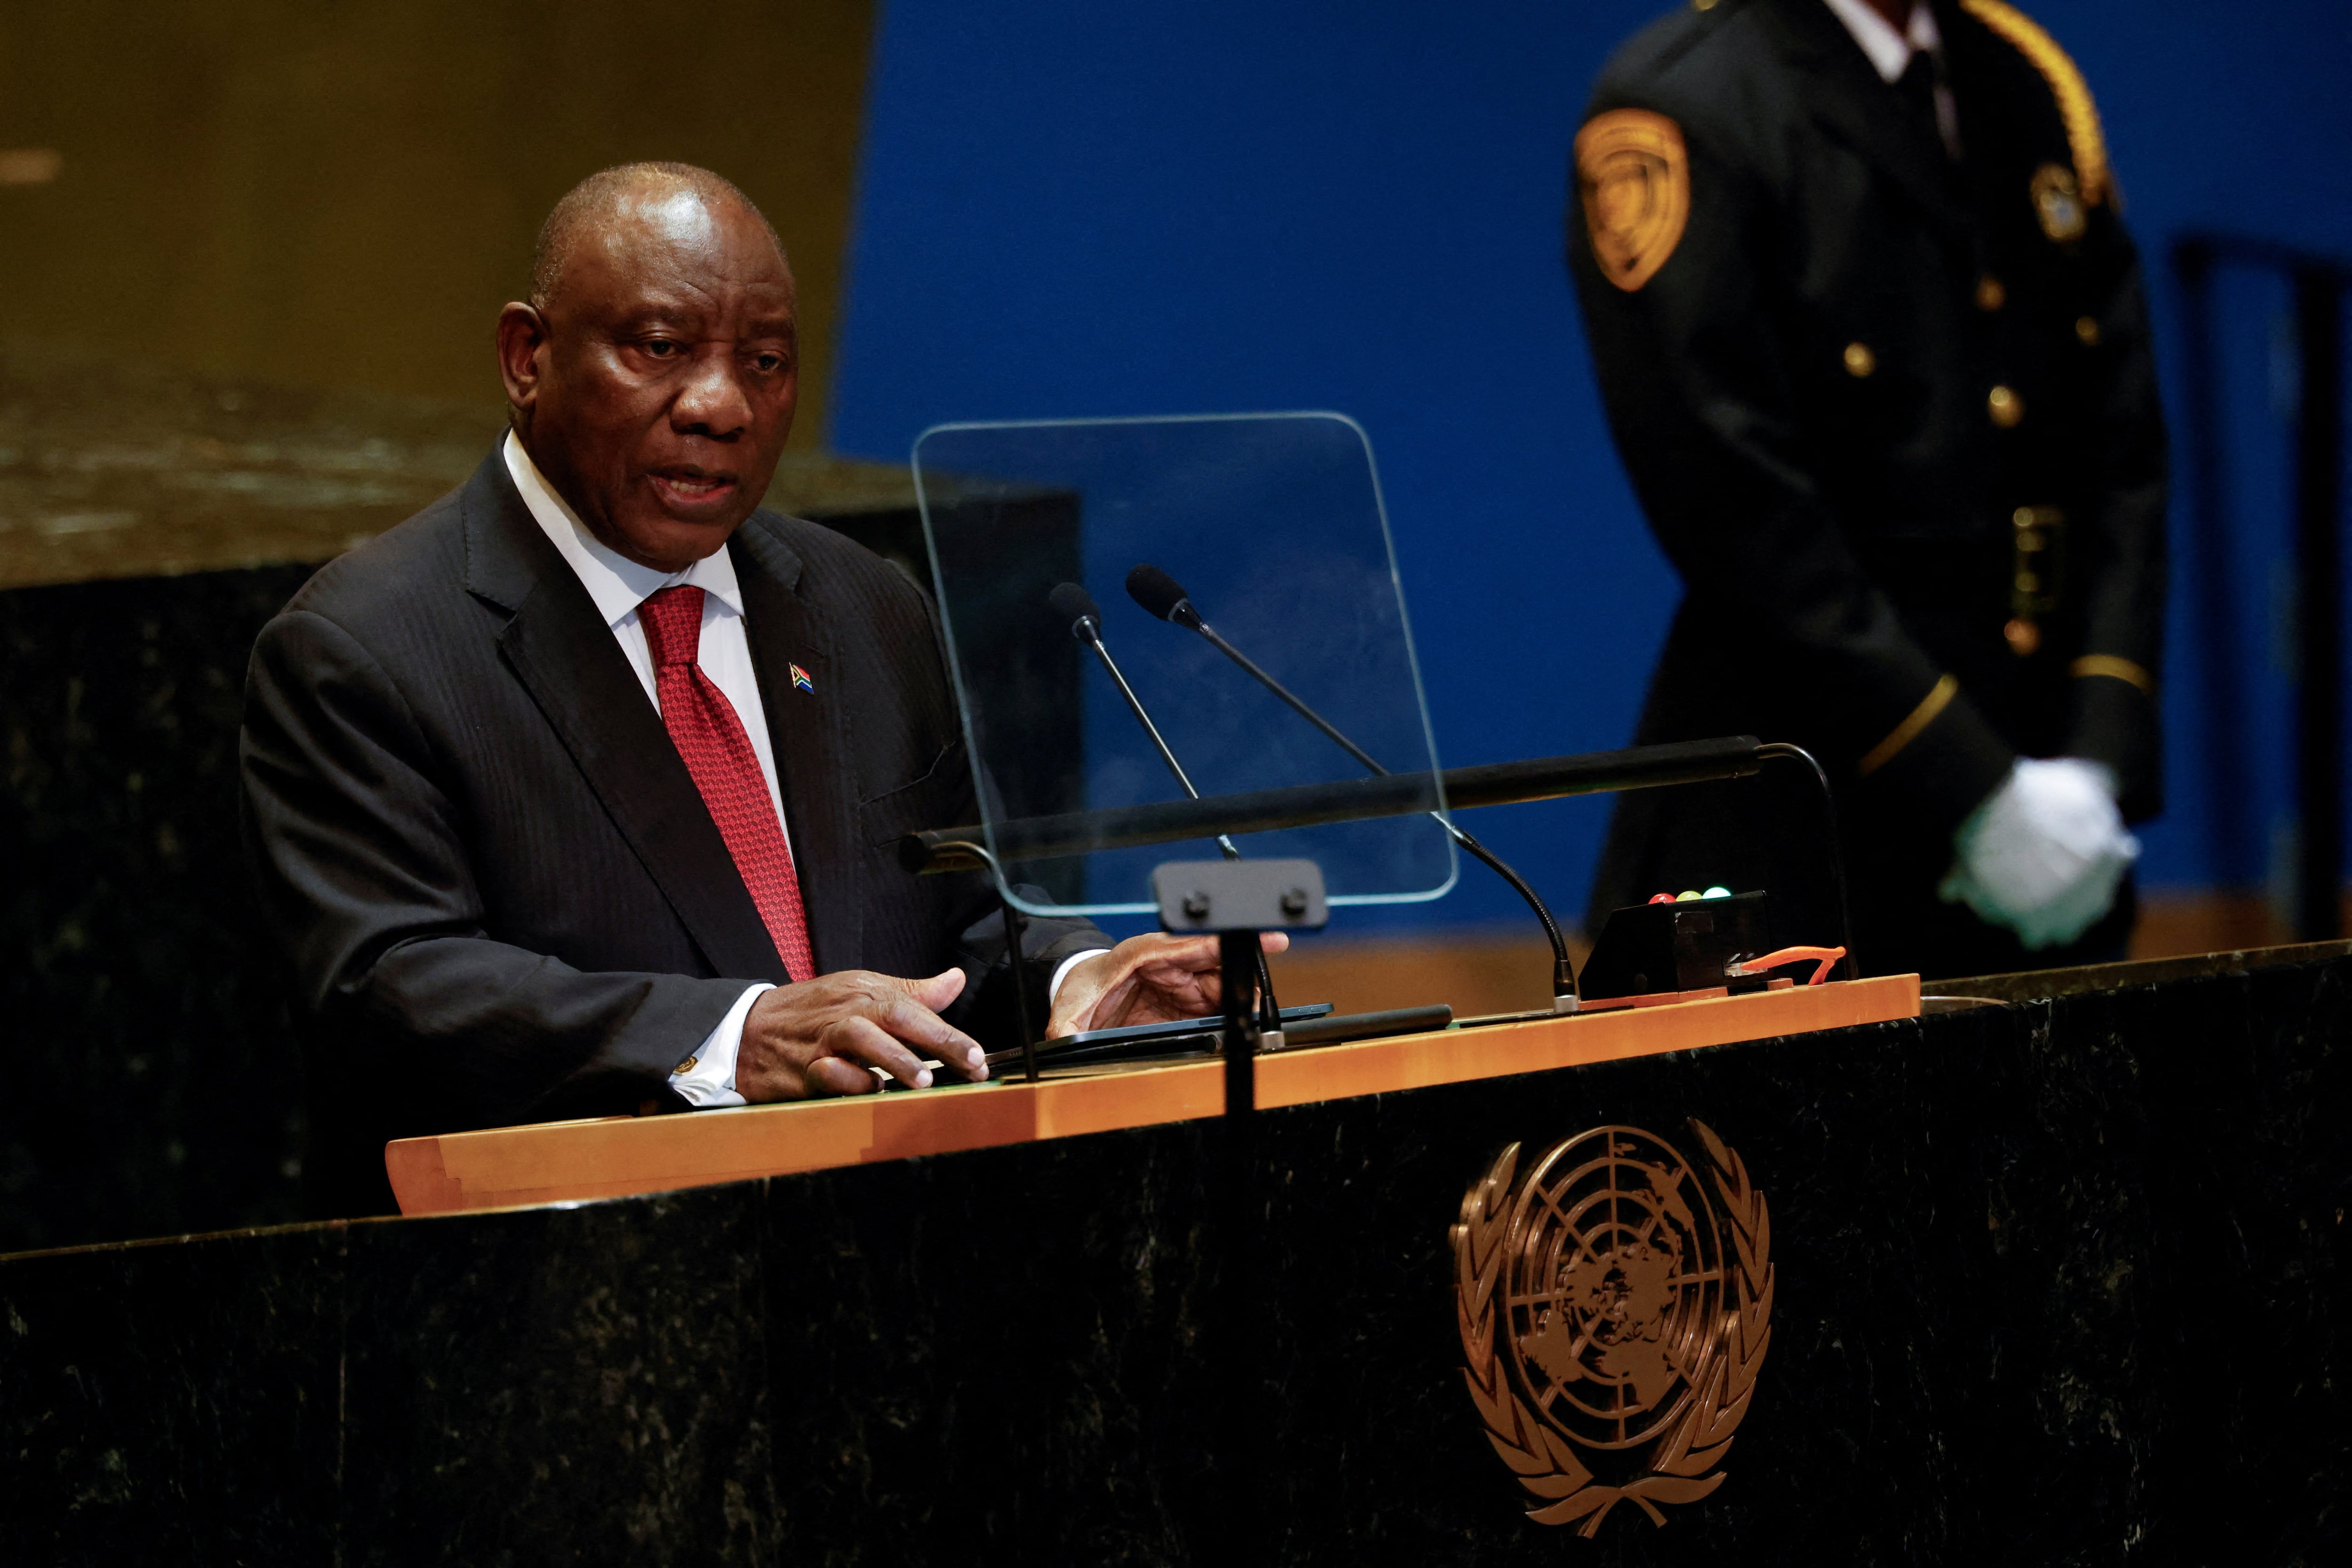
1086, 616
1073, 601
1163, 598
1086, 624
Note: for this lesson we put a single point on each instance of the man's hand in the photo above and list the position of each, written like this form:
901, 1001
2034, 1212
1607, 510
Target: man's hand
821, 1036
1150, 979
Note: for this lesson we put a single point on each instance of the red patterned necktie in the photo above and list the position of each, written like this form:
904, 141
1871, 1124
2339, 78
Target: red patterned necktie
709, 736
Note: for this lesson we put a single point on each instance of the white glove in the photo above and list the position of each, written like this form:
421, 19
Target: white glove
2043, 853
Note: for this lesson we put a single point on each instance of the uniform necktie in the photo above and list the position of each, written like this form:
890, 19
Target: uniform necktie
1918, 86
710, 739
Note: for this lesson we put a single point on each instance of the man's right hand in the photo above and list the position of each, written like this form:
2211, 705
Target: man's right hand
822, 1036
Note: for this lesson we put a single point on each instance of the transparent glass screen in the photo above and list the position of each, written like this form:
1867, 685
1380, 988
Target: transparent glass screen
1272, 529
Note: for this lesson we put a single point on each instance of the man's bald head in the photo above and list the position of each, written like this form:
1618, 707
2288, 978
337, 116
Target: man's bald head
653, 375
594, 205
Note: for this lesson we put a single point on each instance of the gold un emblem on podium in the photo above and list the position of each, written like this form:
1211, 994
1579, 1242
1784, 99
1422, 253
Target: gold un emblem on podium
1615, 1303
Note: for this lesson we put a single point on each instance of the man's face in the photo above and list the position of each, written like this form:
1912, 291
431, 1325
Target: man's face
655, 388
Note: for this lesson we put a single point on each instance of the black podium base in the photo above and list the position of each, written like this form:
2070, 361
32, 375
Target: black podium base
2056, 1282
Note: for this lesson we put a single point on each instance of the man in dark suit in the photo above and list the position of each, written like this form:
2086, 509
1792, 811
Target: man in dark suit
575, 794
1875, 348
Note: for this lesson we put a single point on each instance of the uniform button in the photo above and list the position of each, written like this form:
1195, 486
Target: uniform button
2088, 330
1991, 295
686, 1066
1859, 360
2005, 406
2023, 636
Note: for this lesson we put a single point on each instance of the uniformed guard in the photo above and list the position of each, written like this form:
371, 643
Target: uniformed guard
1874, 345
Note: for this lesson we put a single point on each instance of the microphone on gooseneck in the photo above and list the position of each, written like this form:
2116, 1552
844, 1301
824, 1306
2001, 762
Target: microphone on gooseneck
1073, 602
1086, 624
1162, 596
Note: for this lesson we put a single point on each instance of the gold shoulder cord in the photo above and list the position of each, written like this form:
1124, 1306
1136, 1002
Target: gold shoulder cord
2115, 669
2083, 135
1936, 700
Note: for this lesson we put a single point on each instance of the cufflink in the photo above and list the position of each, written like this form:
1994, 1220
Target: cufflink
683, 1068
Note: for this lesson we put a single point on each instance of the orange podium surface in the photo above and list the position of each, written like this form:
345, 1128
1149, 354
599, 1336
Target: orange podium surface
555, 1161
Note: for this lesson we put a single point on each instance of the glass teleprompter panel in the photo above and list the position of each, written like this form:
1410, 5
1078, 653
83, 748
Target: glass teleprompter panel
1272, 529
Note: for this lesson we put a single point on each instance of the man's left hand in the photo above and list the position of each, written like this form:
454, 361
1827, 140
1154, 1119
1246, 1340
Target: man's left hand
1150, 979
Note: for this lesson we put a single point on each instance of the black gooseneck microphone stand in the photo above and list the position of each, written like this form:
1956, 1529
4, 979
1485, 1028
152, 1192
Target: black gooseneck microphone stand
1013, 926
1086, 624
1782, 749
1162, 596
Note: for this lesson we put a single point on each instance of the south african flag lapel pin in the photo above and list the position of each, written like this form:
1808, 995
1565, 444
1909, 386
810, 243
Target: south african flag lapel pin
800, 681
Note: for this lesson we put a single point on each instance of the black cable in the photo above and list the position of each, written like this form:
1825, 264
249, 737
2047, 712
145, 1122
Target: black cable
1086, 626
1563, 972
1162, 596
1217, 641
1013, 923
1837, 851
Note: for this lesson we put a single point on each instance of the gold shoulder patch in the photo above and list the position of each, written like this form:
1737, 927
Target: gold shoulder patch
1634, 178
2093, 181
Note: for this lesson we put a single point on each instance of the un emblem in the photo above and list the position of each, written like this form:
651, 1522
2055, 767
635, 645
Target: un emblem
1615, 1304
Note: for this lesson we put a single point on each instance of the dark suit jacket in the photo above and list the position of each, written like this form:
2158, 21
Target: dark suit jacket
1803, 395
499, 892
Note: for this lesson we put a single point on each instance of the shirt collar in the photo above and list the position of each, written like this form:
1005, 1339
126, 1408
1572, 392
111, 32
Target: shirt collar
1889, 50
617, 583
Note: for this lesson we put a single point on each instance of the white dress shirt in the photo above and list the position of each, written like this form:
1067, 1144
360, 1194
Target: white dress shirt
619, 585
1890, 52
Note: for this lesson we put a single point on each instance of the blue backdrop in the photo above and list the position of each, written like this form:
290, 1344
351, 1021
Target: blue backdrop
1075, 209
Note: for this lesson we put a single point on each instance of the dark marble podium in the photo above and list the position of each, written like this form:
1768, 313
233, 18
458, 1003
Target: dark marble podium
2060, 1280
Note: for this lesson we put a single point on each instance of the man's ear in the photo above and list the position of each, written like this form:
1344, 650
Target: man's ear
522, 338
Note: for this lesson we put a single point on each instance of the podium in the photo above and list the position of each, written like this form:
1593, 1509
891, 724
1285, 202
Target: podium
615, 1156
2055, 1272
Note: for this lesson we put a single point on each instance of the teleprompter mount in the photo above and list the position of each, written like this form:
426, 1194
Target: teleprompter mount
1341, 800
1235, 900
940, 850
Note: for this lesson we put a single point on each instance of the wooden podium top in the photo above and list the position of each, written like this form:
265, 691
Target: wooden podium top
613, 1156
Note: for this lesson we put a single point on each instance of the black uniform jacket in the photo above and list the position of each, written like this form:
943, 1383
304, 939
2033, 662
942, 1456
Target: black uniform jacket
501, 895
1893, 418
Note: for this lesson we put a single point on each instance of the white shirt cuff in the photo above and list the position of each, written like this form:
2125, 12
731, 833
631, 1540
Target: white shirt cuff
706, 1079
1061, 972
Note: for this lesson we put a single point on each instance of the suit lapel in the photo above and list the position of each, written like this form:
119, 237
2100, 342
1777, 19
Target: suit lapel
562, 652
810, 731
1845, 94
